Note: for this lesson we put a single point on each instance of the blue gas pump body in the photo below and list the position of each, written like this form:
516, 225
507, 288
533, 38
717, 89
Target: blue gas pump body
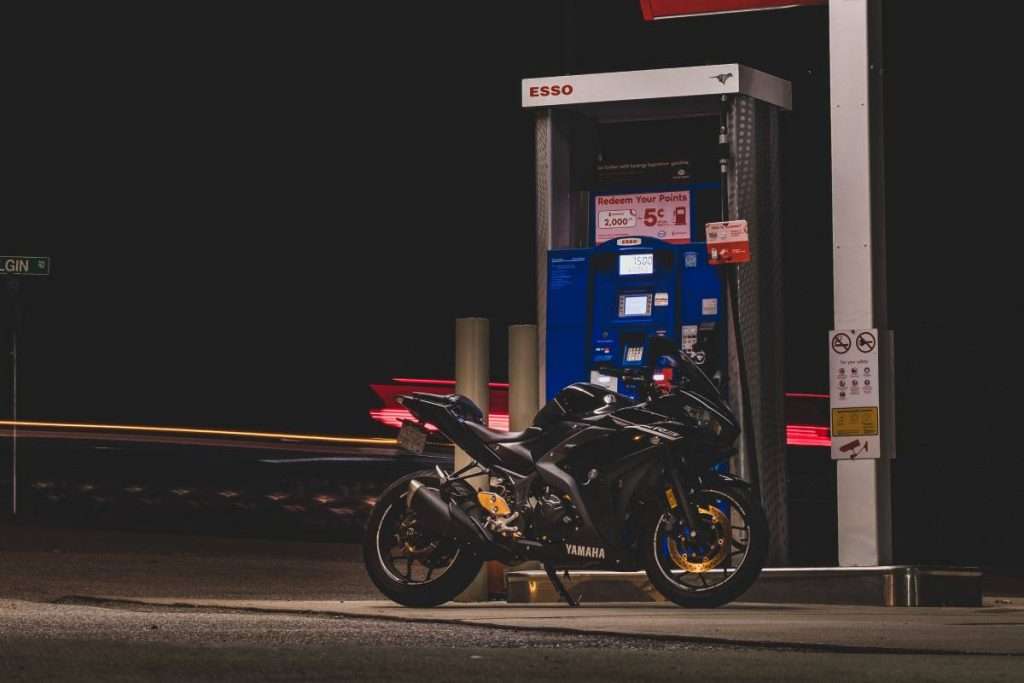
605, 302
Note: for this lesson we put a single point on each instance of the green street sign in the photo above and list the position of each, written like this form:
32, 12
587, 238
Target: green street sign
24, 265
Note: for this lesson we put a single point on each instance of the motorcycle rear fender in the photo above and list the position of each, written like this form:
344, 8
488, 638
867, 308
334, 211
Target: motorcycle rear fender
436, 413
439, 414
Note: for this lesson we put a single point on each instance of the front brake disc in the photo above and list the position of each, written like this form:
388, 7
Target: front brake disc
707, 556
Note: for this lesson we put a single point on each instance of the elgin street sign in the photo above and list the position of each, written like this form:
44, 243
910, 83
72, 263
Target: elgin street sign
25, 265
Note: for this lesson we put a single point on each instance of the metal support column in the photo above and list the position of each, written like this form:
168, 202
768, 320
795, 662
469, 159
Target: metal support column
863, 486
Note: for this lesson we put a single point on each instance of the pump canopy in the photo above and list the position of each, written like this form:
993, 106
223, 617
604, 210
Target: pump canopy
657, 84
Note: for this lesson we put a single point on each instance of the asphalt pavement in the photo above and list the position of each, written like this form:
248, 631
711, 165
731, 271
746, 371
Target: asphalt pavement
305, 611
47, 563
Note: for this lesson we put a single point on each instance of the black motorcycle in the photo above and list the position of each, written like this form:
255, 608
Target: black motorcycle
599, 481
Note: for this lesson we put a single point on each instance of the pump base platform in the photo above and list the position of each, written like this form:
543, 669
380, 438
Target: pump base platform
892, 586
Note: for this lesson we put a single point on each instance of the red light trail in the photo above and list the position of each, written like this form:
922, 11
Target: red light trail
796, 434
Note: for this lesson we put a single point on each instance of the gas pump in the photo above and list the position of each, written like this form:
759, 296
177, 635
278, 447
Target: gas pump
631, 167
606, 302
597, 298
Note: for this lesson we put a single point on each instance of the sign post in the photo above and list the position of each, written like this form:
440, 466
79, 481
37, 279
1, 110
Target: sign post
14, 267
14, 408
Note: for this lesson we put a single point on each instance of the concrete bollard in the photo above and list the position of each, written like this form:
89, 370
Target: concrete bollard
522, 376
523, 401
472, 371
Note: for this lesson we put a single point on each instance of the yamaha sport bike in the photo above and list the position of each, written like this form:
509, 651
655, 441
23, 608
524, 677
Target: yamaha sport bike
599, 481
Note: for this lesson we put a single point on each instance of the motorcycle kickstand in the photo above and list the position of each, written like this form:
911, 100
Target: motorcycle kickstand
559, 586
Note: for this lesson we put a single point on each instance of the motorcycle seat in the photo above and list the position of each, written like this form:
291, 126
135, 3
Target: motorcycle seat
456, 403
438, 399
488, 435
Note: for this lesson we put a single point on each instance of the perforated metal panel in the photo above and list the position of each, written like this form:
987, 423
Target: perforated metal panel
553, 217
754, 195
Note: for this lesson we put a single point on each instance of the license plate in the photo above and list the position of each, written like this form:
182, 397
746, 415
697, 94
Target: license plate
412, 438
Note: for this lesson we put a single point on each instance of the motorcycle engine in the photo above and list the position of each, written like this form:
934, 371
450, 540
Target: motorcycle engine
554, 518
547, 516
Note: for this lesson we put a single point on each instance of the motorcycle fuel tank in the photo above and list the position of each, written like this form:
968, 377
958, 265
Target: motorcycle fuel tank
579, 400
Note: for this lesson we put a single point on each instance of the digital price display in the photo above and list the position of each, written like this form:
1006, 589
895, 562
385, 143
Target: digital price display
636, 264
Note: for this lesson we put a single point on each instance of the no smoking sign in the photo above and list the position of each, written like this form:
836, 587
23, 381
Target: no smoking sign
854, 394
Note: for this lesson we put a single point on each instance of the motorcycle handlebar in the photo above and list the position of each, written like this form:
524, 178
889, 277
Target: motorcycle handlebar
648, 388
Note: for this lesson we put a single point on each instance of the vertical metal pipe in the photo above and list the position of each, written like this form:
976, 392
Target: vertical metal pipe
14, 287
522, 376
472, 372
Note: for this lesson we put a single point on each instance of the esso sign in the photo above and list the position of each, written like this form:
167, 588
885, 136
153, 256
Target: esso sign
550, 90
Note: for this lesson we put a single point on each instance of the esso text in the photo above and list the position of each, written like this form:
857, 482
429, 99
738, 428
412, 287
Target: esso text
549, 90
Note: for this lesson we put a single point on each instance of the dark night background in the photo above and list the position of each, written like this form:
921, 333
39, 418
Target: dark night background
255, 213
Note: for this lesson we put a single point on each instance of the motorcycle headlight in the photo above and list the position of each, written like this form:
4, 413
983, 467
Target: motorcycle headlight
705, 419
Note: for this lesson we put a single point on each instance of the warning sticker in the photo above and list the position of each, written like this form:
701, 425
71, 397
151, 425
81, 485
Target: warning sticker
855, 421
728, 242
854, 394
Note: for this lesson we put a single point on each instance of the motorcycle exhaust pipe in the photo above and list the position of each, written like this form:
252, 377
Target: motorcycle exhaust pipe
440, 517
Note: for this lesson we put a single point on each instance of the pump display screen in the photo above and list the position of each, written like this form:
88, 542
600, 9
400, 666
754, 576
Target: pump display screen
636, 264
634, 304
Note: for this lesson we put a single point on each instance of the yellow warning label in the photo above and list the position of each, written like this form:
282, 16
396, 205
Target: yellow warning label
855, 421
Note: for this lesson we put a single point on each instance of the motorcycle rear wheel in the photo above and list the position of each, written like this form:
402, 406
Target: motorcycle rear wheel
723, 566
406, 564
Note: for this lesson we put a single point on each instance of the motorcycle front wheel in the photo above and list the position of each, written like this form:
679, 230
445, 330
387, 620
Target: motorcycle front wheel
722, 563
408, 564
